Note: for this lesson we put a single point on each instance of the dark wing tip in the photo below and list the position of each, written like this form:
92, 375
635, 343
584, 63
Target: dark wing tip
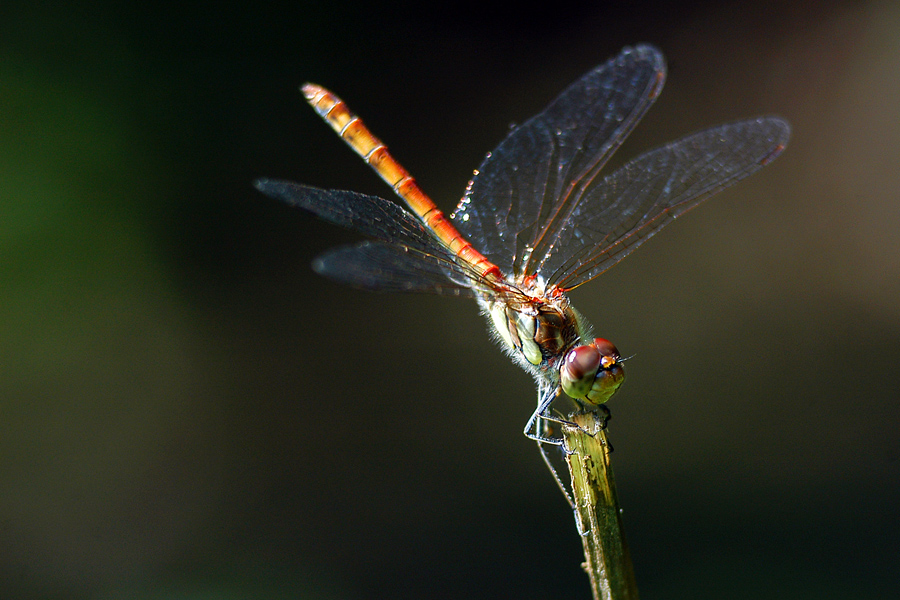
779, 131
776, 125
266, 186
648, 52
286, 191
318, 265
651, 55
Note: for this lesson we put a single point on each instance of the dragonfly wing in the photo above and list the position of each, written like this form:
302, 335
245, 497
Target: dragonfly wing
369, 215
392, 268
408, 257
525, 190
628, 206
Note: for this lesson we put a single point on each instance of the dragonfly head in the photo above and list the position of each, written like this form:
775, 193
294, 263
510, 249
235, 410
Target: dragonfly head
592, 372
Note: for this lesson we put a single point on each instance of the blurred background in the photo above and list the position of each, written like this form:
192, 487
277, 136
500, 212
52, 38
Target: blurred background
187, 411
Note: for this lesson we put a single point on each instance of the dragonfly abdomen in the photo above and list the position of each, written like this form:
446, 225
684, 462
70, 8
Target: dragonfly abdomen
355, 133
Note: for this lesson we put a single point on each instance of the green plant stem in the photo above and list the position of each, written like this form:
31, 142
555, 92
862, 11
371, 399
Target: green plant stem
606, 558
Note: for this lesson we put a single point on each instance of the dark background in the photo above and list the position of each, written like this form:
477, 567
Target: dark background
187, 411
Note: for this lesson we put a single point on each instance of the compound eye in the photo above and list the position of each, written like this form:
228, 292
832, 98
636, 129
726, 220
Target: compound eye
579, 370
608, 350
610, 375
606, 383
592, 373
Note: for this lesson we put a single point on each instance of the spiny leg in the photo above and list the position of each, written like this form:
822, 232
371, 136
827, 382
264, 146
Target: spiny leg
539, 418
562, 486
539, 426
546, 396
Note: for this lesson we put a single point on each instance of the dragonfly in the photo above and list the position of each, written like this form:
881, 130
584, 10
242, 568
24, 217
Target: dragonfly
538, 219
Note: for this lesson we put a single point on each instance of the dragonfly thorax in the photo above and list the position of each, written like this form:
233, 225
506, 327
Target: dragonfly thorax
535, 331
547, 337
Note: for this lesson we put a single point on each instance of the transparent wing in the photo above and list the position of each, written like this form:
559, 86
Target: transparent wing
391, 268
526, 189
369, 215
407, 256
628, 206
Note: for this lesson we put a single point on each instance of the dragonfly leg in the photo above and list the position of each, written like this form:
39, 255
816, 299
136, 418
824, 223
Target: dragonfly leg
604, 417
562, 486
579, 526
534, 428
561, 421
